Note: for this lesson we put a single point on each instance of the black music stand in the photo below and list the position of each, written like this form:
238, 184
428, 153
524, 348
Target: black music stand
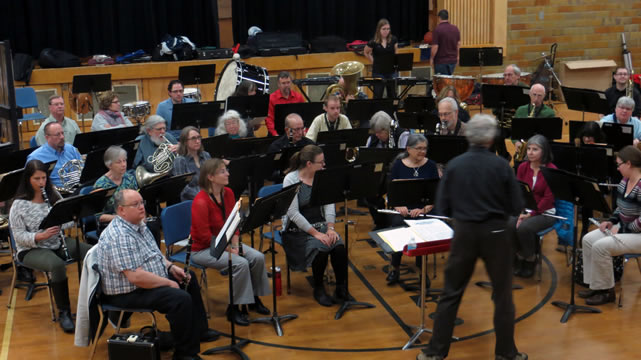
393, 63
586, 160
423, 122
576, 128
504, 97
247, 171
488, 56
91, 84
524, 128
216, 145
9, 183
267, 210
349, 137
341, 184
377, 155
249, 106
444, 148
197, 114
94, 140
197, 74
217, 247
419, 104
164, 190
15, 160
618, 135
307, 111
585, 100
334, 154
578, 190
73, 209
361, 111
247, 146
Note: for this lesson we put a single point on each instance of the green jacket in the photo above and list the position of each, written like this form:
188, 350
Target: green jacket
524, 111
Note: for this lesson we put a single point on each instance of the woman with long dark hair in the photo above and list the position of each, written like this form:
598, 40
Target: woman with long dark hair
383, 45
43, 249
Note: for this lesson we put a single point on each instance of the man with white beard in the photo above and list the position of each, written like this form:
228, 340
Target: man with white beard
155, 133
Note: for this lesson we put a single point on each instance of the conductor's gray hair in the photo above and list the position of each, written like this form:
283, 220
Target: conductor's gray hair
481, 129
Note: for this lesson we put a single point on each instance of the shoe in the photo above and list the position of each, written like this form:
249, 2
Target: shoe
423, 356
209, 335
392, 277
518, 265
341, 295
258, 307
602, 297
165, 340
519, 356
584, 294
234, 314
321, 296
527, 269
66, 322
186, 357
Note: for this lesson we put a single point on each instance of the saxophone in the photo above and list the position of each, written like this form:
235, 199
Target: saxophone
531, 114
629, 90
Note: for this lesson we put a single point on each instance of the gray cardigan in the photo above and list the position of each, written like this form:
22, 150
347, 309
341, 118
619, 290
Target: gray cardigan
329, 211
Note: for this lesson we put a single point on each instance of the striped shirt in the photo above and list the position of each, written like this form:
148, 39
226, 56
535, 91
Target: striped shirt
125, 246
628, 211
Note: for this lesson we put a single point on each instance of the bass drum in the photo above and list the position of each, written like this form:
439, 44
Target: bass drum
234, 73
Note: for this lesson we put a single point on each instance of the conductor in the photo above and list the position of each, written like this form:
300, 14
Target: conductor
480, 231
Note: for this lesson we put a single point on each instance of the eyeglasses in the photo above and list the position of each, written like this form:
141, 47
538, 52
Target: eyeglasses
619, 164
508, 74
444, 114
621, 74
58, 104
164, 128
57, 134
178, 91
420, 148
195, 138
297, 129
136, 204
222, 171
116, 102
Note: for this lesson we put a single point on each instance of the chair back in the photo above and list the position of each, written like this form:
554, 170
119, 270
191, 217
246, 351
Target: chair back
12, 244
32, 142
269, 189
26, 97
565, 228
176, 222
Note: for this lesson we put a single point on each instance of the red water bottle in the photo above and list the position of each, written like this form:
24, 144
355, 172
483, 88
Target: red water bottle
277, 278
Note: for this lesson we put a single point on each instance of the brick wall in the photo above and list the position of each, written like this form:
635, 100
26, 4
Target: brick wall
583, 29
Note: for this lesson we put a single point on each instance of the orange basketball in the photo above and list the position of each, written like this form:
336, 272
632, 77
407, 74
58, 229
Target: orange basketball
427, 38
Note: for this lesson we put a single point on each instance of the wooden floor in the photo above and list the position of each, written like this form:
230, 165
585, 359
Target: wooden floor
377, 333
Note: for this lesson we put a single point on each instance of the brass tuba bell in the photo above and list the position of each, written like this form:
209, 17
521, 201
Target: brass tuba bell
350, 71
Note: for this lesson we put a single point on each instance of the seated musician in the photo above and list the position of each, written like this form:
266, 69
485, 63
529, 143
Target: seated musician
43, 249
331, 120
294, 135
176, 92
621, 78
504, 115
380, 123
283, 95
536, 108
209, 210
591, 134
55, 149
57, 114
248, 88
450, 122
625, 223
155, 133
230, 123
451, 92
623, 115
109, 116
539, 154
412, 164
191, 156
135, 274
309, 237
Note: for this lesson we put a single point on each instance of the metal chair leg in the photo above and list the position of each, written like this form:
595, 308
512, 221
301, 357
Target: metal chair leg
204, 287
92, 350
13, 284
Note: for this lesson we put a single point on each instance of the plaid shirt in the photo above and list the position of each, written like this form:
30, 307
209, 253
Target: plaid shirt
125, 246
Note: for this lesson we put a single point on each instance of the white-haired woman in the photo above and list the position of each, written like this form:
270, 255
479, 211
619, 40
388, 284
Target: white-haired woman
381, 124
230, 123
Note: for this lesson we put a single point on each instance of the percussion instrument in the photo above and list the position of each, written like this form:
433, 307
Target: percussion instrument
234, 73
136, 109
192, 93
497, 79
464, 85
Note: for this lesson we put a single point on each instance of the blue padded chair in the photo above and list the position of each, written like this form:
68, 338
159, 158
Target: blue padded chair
26, 98
32, 142
31, 287
176, 226
562, 228
89, 223
626, 258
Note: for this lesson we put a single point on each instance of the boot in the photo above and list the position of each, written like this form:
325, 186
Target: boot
321, 296
341, 294
60, 291
234, 314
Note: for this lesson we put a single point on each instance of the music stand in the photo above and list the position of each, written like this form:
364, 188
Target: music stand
444, 148
377, 155
15, 160
94, 140
197, 74
73, 209
585, 100
307, 111
217, 247
344, 183
576, 128
197, 114
265, 211
361, 111
246, 171
423, 122
9, 183
504, 96
90, 84
349, 137
586, 160
164, 190
488, 56
334, 154
249, 106
247, 146
419, 104
618, 135
524, 128
216, 145
582, 191
403, 192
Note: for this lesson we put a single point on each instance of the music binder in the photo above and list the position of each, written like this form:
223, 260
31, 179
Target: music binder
219, 244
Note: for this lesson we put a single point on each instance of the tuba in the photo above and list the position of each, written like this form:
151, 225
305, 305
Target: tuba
350, 71
163, 161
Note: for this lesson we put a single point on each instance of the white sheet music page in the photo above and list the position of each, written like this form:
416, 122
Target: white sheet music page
431, 229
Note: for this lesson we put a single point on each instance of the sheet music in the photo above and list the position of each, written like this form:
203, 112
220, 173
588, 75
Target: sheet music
230, 225
420, 230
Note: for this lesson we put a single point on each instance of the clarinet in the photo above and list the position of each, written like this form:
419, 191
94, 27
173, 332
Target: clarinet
185, 282
63, 244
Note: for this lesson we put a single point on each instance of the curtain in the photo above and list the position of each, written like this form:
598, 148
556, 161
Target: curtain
86, 28
349, 19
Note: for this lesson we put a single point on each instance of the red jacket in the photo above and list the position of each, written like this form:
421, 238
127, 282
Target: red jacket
541, 191
276, 98
207, 218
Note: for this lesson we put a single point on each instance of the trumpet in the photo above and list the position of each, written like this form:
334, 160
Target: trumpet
63, 244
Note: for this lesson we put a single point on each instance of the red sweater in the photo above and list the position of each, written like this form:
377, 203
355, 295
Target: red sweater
276, 98
541, 191
207, 218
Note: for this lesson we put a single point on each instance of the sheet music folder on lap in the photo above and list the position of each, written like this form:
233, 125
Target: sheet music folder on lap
429, 231
219, 244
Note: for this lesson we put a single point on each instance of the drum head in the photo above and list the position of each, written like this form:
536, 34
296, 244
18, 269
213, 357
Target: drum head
227, 81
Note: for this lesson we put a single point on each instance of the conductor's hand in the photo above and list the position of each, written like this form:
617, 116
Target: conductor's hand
49, 232
605, 225
332, 235
324, 238
402, 210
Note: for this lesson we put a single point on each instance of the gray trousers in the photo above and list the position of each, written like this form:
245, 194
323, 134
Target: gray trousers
249, 273
525, 240
52, 261
598, 250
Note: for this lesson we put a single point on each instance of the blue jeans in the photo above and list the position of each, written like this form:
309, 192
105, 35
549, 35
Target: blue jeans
444, 69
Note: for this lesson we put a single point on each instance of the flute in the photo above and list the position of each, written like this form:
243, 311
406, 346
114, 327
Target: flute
388, 211
185, 282
63, 244
607, 231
